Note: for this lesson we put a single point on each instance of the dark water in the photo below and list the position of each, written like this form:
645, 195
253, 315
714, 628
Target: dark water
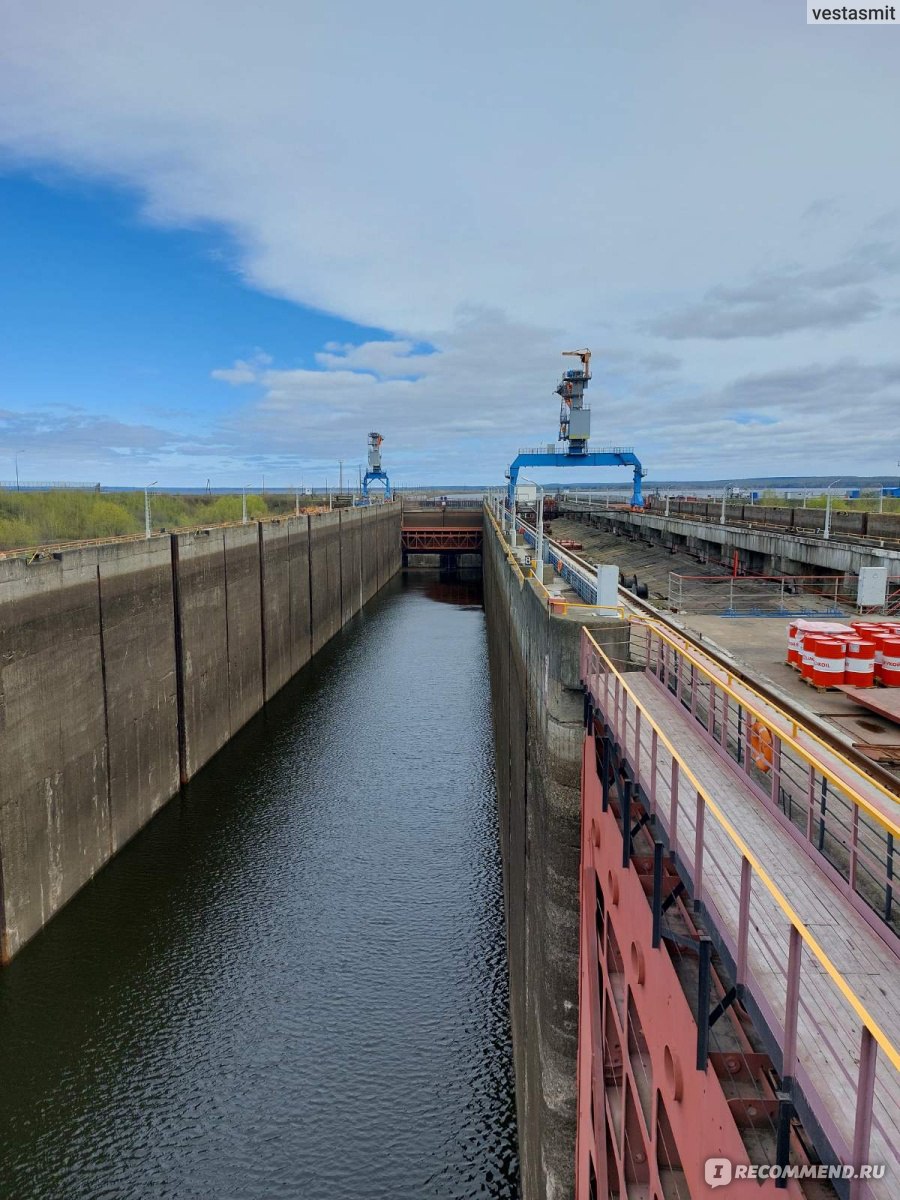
293, 982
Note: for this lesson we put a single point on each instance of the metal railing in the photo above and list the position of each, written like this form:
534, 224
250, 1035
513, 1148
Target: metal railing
578, 579
761, 595
31, 485
572, 572
547, 448
845, 819
777, 958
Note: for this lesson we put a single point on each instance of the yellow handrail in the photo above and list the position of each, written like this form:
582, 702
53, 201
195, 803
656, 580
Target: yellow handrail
618, 609
860, 801
774, 891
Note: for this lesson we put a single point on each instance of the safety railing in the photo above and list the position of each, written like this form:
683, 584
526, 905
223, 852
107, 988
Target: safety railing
511, 559
842, 817
846, 1065
547, 448
575, 575
761, 595
568, 569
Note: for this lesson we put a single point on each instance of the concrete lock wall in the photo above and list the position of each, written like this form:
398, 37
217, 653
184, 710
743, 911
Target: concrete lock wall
537, 704
125, 667
853, 523
325, 569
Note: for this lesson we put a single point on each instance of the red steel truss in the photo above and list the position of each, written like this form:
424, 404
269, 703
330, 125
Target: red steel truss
442, 539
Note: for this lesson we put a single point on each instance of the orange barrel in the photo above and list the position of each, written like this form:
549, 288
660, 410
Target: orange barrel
859, 669
793, 651
879, 637
866, 628
890, 661
828, 662
807, 654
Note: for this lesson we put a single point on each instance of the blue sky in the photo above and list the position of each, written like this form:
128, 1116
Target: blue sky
105, 315
235, 239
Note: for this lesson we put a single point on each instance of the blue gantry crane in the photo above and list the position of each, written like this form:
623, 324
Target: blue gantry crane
374, 472
574, 433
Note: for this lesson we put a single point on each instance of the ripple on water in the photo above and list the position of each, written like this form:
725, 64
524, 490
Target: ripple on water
293, 983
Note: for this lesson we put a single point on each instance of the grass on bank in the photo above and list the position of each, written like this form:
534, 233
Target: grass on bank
839, 503
42, 518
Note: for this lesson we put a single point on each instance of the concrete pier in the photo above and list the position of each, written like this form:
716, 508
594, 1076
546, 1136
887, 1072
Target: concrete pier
538, 719
125, 667
762, 551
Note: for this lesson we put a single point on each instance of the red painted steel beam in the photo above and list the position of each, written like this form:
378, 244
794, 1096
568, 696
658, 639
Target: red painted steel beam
443, 538
646, 1113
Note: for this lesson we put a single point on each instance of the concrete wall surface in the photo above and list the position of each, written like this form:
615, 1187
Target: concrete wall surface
124, 667
768, 552
537, 704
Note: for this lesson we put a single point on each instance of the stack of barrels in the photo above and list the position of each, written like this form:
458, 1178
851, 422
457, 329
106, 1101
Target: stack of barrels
862, 654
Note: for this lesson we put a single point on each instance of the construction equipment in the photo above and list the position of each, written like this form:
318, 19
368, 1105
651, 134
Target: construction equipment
574, 418
374, 472
574, 433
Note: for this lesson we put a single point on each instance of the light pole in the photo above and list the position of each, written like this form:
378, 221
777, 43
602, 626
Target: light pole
17, 472
244, 505
340, 476
826, 532
724, 498
147, 530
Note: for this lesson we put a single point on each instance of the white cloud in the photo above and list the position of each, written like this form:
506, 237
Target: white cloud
497, 181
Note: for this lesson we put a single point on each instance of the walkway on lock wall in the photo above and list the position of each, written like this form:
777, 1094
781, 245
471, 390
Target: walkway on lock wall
750, 869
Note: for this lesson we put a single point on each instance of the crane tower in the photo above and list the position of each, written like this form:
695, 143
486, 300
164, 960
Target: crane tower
574, 418
374, 472
574, 433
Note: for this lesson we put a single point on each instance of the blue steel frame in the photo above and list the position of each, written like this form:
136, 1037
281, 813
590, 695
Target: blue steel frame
605, 458
576, 580
376, 476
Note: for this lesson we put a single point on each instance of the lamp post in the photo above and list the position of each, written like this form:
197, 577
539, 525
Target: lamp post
17, 471
826, 532
147, 529
724, 498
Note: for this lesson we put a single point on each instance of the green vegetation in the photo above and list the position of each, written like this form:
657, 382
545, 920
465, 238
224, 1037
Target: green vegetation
42, 518
839, 502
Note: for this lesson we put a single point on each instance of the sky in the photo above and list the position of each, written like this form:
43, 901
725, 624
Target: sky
235, 238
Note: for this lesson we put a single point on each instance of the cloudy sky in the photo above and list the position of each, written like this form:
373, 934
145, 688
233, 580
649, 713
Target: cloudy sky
235, 237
